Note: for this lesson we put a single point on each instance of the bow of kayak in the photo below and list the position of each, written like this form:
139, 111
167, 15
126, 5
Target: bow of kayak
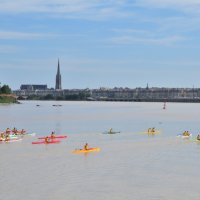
195, 140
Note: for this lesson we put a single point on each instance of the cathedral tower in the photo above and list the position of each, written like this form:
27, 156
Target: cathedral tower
58, 78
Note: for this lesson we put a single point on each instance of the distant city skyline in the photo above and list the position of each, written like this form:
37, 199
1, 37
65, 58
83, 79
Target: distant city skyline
100, 43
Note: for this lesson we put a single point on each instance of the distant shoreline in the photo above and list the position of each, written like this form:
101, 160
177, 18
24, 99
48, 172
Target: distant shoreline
124, 100
8, 98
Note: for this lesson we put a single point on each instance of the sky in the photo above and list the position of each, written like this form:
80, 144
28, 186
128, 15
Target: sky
100, 43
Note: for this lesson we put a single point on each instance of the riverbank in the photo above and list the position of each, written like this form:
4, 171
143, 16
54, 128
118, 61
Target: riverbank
8, 98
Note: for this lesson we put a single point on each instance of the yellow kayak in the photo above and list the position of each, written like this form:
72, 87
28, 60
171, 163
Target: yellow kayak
152, 132
86, 150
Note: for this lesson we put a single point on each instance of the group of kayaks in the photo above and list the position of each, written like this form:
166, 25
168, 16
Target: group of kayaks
55, 139
184, 135
13, 135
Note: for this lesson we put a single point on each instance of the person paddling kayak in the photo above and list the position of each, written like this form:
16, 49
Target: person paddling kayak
186, 133
8, 131
198, 137
46, 139
14, 130
86, 147
52, 134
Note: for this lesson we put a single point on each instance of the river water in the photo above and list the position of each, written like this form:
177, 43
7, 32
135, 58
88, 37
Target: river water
130, 165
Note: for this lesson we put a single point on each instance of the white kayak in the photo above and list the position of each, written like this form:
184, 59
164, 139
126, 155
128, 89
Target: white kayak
11, 140
184, 136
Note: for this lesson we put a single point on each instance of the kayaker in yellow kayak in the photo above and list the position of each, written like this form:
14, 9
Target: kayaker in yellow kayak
2, 135
186, 133
86, 147
151, 130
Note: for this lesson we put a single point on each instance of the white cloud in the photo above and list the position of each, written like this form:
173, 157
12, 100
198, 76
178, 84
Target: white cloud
166, 3
129, 40
19, 35
191, 6
91, 9
14, 35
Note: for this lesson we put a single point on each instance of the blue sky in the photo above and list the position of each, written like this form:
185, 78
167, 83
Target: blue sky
100, 43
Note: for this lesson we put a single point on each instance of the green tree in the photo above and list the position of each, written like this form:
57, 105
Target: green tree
5, 89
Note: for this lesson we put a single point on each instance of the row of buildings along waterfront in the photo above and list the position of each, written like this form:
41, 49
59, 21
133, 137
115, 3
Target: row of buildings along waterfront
31, 91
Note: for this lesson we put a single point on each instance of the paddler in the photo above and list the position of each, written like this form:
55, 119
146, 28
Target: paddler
46, 139
86, 146
149, 130
198, 137
153, 130
52, 134
23, 131
7, 138
8, 130
1, 136
14, 130
187, 133
110, 131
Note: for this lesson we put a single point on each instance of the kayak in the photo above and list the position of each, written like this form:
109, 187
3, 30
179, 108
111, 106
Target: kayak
11, 140
113, 132
30, 134
13, 136
50, 142
152, 132
56, 136
85, 151
184, 136
195, 140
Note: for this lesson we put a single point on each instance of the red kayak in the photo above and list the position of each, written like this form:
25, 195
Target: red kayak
56, 136
50, 142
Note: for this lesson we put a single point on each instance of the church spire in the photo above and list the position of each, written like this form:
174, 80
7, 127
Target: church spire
58, 70
58, 78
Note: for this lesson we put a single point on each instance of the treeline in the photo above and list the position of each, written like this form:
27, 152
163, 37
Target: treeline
5, 89
6, 95
72, 97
